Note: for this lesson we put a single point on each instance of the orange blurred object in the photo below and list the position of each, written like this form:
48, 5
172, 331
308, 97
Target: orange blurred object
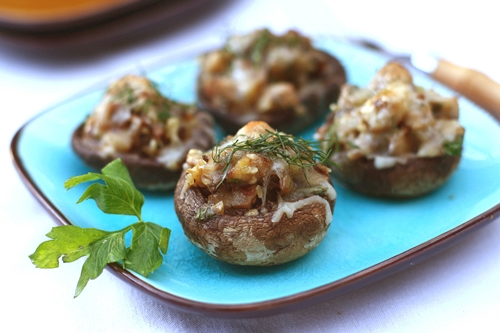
56, 25
54, 10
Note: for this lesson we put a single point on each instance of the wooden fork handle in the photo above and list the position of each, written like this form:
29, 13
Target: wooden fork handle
472, 84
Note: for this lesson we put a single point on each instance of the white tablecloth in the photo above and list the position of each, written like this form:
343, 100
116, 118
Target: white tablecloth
455, 291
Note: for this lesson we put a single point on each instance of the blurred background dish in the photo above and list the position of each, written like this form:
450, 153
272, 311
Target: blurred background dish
56, 24
54, 15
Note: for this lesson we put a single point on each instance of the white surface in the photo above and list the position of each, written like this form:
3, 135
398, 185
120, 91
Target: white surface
456, 291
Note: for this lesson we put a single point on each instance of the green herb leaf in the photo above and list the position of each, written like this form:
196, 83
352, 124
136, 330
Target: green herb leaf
260, 45
204, 213
294, 151
104, 250
70, 242
144, 255
453, 148
118, 196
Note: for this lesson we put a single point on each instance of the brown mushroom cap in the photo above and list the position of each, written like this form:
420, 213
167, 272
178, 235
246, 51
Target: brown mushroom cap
418, 176
251, 240
315, 100
392, 138
146, 172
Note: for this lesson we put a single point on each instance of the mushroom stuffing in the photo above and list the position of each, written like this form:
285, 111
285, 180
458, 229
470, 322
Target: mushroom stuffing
149, 132
280, 79
260, 197
393, 138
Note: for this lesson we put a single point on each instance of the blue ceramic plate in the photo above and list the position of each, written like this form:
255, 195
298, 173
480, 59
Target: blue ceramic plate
368, 239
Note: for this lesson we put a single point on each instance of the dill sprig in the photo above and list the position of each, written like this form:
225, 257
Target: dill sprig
296, 152
266, 40
126, 94
260, 45
331, 139
158, 103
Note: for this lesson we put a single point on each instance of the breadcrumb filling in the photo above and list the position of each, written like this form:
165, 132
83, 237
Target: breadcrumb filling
392, 119
134, 117
254, 181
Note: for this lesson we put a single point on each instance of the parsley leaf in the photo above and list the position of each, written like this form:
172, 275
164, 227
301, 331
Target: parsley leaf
70, 242
104, 250
143, 256
117, 196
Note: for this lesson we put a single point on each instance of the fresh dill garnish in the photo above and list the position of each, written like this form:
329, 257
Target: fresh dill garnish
296, 152
331, 140
148, 104
260, 45
126, 94
267, 39
453, 148
165, 109
159, 103
163, 115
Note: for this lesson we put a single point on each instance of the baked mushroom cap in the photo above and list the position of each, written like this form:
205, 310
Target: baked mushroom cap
281, 80
264, 232
416, 177
393, 139
254, 240
148, 132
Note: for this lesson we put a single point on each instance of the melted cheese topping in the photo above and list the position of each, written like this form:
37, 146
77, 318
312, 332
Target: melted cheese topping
133, 117
289, 208
261, 72
392, 120
252, 178
382, 162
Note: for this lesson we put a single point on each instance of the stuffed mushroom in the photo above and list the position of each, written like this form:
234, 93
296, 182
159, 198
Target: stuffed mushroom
279, 79
149, 132
259, 198
393, 138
